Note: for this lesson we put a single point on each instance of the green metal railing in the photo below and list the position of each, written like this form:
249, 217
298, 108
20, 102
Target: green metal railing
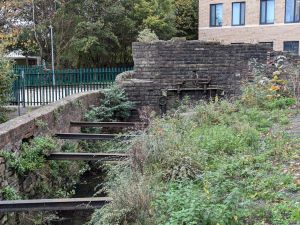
38, 86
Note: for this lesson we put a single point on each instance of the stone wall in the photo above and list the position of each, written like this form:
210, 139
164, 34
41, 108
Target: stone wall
161, 66
47, 120
14, 111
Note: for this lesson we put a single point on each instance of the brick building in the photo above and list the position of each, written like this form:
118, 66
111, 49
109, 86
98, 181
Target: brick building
274, 22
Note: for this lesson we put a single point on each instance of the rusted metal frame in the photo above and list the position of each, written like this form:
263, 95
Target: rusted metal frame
84, 136
87, 156
73, 204
106, 124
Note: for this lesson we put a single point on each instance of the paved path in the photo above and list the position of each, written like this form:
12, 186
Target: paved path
294, 166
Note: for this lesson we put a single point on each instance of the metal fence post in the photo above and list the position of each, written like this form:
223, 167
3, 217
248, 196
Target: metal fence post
18, 95
23, 87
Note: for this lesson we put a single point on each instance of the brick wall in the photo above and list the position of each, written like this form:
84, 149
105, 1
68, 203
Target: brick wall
252, 31
160, 66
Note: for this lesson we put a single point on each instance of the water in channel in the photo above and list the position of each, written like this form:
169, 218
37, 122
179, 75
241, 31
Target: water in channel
89, 184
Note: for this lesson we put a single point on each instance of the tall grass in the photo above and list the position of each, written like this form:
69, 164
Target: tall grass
225, 163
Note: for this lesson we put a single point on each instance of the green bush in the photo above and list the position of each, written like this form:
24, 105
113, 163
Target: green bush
53, 178
114, 106
147, 36
6, 79
280, 103
32, 155
9, 193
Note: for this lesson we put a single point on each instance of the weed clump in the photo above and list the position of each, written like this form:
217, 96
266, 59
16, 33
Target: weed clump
51, 178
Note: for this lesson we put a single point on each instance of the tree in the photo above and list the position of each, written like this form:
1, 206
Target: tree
96, 32
25, 42
187, 18
6, 79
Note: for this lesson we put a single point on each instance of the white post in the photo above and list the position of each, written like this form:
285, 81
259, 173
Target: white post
52, 53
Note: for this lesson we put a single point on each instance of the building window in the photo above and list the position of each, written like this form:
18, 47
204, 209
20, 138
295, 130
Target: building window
238, 13
292, 11
291, 46
267, 11
216, 15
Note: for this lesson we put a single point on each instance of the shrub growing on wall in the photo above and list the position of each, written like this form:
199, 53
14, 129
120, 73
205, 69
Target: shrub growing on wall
6, 79
114, 106
147, 36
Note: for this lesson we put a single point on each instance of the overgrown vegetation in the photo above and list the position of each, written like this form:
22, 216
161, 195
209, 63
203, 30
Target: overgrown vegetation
223, 164
6, 79
51, 178
113, 107
147, 36
90, 33
9, 193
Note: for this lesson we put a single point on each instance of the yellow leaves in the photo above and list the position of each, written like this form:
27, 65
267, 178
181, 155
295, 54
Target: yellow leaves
206, 188
254, 195
235, 218
276, 73
274, 88
275, 78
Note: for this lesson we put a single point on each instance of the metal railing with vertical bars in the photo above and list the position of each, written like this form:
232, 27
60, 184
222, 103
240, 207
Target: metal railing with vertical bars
35, 86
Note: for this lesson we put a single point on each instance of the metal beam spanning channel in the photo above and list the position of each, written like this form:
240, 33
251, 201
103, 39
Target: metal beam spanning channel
106, 124
83, 136
87, 156
53, 204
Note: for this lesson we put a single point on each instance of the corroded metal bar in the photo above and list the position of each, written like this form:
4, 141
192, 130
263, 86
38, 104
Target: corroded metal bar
53, 204
87, 156
84, 136
105, 124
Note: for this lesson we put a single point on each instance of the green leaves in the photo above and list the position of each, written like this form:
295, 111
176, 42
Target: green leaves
114, 106
6, 80
32, 156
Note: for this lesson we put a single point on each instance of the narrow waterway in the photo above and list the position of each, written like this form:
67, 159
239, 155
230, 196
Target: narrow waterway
90, 184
